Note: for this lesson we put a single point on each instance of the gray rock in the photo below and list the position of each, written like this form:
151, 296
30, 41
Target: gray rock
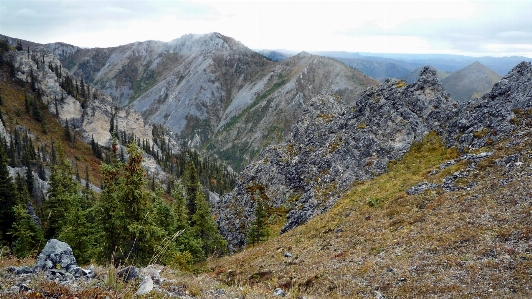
128, 273
279, 292
146, 285
420, 188
56, 255
23, 270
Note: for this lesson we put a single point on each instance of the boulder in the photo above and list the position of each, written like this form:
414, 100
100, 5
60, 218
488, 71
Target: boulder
56, 255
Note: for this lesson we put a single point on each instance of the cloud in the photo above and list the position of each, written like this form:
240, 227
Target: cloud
480, 27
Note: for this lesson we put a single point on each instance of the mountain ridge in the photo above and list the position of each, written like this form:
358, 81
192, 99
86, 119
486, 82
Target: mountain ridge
198, 84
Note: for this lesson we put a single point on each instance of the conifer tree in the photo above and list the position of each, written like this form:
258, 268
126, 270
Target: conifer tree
27, 235
192, 188
61, 194
187, 245
68, 134
7, 199
258, 231
205, 229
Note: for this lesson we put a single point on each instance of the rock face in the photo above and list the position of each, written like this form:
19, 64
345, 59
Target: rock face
495, 115
212, 91
93, 120
331, 146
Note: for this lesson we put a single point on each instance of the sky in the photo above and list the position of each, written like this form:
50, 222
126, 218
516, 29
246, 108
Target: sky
474, 28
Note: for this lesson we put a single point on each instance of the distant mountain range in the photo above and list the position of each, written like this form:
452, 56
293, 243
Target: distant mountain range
444, 62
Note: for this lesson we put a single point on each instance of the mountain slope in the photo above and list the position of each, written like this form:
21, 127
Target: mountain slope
470, 82
286, 93
201, 85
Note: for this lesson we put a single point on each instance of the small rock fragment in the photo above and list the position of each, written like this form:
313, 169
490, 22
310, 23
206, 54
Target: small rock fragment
146, 286
128, 273
279, 292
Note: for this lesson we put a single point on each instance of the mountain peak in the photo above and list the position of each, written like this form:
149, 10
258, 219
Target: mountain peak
214, 41
471, 82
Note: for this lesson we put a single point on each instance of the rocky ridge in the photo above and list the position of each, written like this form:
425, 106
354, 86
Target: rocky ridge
332, 146
91, 121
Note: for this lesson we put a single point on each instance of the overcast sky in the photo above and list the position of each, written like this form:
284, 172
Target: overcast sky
477, 28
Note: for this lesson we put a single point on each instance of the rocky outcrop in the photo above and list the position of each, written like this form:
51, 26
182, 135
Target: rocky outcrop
91, 121
331, 146
57, 262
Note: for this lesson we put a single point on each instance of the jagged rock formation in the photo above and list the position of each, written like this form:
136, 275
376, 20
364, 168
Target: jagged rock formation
470, 82
412, 76
212, 91
332, 146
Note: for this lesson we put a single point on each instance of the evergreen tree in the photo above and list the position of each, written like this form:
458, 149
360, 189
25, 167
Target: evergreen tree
7, 200
111, 215
27, 235
192, 188
30, 181
68, 134
62, 194
187, 245
258, 231
19, 46
205, 229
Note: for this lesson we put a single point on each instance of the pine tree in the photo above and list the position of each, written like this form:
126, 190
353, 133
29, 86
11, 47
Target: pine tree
258, 231
67, 134
61, 194
7, 200
192, 188
30, 181
205, 229
27, 235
